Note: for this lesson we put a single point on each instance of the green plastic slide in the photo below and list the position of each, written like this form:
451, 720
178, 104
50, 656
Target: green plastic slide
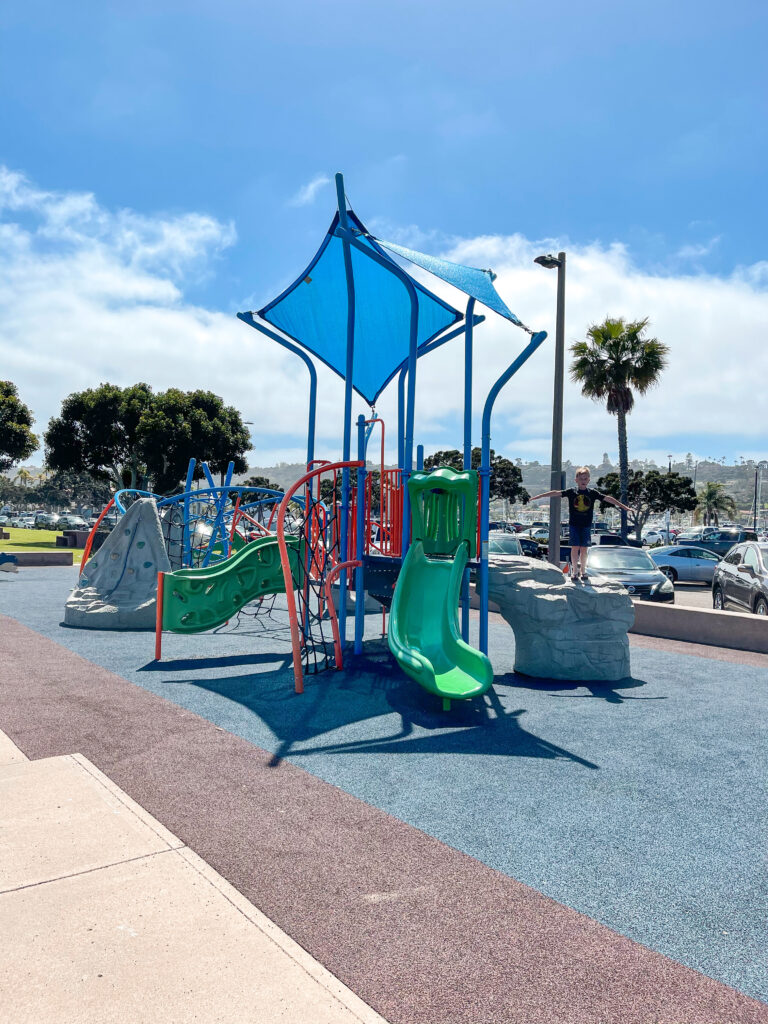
424, 628
198, 599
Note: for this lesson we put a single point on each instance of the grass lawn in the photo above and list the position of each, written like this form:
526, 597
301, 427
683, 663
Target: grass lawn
36, 540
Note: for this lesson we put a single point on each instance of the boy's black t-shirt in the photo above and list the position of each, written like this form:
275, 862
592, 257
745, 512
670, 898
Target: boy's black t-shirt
581, 505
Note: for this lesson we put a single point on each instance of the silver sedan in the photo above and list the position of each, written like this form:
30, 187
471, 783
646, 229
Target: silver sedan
686, 563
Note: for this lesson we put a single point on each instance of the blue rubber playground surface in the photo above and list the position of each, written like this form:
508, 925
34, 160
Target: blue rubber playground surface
641, 804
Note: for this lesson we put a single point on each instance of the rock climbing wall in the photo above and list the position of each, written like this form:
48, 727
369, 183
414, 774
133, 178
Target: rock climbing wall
563, 630
117, 589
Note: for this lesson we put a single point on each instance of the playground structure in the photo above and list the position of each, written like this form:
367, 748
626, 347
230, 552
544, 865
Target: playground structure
354, 289
397, 536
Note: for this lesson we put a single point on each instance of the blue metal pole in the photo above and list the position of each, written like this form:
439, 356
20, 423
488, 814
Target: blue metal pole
362, 441
468, 385
348, 373
468, 339
401, 416
420, 458
485, 476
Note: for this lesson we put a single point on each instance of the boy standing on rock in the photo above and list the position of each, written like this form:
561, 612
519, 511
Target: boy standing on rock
581, 505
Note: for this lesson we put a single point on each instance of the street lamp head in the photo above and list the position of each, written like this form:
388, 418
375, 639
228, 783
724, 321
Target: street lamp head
549, 261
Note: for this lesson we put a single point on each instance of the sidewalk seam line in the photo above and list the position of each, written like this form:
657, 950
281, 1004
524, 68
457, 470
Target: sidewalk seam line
90, 871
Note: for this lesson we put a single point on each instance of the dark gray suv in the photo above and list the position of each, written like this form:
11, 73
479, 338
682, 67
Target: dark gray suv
720, 541
741, 579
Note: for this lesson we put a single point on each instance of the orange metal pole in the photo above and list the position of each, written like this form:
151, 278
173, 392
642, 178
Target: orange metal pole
91, 535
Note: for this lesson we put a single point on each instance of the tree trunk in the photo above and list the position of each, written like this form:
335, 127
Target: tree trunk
623, 468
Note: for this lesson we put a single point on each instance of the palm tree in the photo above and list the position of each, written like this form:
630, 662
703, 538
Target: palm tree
23, 477
615, 361
713, 501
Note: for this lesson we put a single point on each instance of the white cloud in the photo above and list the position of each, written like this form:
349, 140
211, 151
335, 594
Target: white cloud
308, 192
695, 252
89, 295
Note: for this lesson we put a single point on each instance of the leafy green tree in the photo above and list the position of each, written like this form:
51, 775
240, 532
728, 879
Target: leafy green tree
506, 478
649, 493
133, 438
712, 502
17, 441
611, 365
196, 424
98, 433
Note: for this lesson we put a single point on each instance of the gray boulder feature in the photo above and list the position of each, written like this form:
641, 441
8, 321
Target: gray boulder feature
118, 586
563, 630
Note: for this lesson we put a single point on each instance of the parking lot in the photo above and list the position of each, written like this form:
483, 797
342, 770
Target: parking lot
693, 595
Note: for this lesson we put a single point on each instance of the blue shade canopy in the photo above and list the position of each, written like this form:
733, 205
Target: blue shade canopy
313, 312
471, 281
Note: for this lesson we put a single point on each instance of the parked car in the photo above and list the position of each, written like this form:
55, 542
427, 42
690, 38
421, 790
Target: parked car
47, 521
741, 579
504, 527
23, 522
502, 545
5, 520
721, 540
72, 522
656, 535
686, 563
529, 545
539, 534
633, 568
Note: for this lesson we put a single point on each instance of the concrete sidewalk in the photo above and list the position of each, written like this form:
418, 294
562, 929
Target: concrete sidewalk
106, 916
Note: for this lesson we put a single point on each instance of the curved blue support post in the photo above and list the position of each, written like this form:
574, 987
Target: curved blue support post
248, 318
485, 477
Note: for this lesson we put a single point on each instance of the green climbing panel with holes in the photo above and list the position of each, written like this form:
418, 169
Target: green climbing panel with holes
198, 599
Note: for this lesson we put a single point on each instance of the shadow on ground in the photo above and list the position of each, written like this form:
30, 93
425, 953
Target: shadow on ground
373, 706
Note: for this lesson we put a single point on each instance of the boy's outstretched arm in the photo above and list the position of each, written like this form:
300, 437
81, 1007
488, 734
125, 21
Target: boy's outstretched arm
546, 494
616, 502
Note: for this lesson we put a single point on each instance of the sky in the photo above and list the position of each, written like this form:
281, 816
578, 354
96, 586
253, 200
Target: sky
165, 165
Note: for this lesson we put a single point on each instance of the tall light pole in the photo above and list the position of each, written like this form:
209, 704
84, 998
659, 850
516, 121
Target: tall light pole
556, 476
759, 503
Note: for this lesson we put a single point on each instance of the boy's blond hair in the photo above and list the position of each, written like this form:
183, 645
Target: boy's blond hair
582, 469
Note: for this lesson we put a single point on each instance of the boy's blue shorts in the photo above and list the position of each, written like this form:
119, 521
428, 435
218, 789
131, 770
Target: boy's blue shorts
581, 536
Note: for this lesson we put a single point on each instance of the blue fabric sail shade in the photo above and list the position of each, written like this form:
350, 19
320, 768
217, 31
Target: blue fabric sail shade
313, 312
470, 280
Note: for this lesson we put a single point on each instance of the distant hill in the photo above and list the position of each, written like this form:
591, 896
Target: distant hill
739, 479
